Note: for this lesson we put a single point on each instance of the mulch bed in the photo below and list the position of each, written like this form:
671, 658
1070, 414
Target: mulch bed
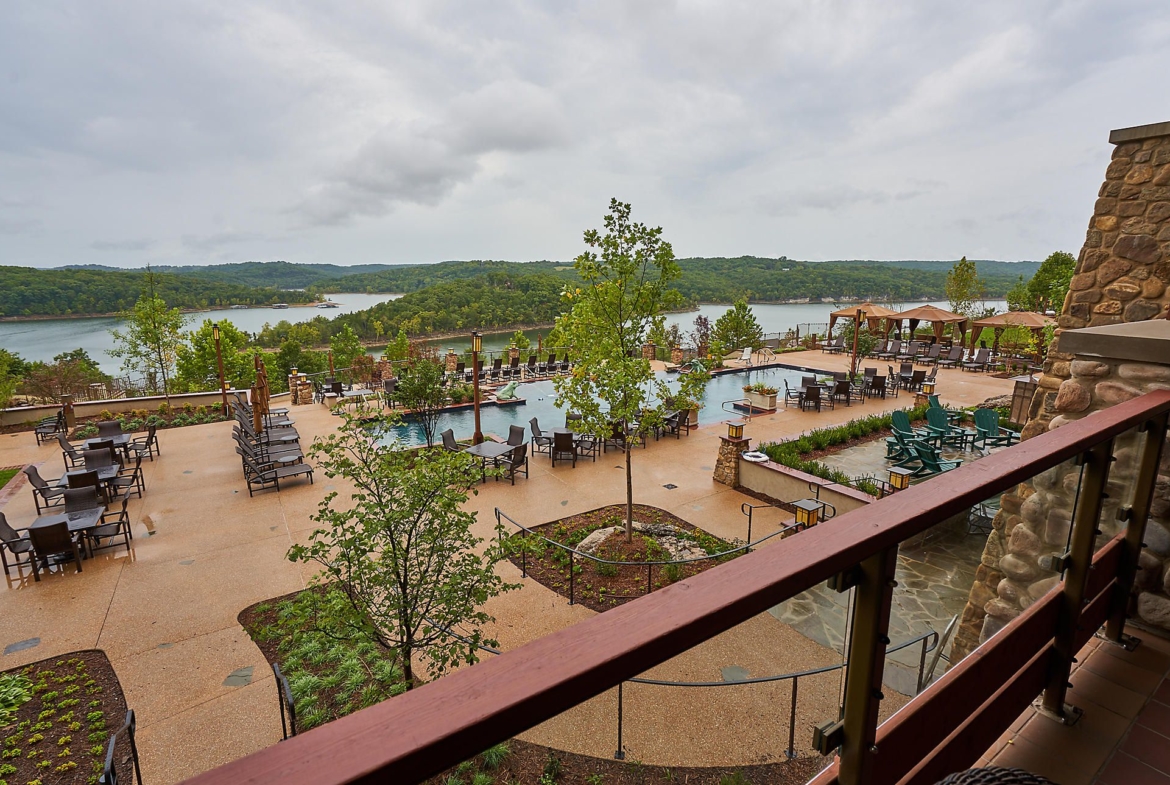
526, 763
600, 587
54, 717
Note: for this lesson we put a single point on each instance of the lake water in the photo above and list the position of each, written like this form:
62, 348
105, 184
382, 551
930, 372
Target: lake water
42, 339
541, 403
773, 317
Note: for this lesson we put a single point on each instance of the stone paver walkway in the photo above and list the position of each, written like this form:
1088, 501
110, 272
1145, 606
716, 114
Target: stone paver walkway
166, 612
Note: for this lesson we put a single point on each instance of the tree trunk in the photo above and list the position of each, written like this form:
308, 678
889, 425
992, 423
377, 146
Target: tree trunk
404, 652
629, 492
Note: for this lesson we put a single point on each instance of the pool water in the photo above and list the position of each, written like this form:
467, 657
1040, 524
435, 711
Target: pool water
541, 403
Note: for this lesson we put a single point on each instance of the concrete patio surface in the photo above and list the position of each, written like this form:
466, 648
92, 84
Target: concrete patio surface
165, 613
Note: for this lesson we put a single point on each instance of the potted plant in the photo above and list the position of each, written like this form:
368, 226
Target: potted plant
760, 396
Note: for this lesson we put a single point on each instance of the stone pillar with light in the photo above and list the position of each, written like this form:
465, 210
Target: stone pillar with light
476, 347
452, 361
731, 446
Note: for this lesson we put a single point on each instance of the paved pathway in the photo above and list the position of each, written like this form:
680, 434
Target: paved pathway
166, 612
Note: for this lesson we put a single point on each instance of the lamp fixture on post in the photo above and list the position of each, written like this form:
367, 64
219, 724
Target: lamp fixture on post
900, 478
808, 512
476, 347
735, 429
219, 363
928, 388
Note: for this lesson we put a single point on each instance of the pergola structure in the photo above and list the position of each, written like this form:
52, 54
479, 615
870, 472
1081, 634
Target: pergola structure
937, 317
1036, 322
872, 314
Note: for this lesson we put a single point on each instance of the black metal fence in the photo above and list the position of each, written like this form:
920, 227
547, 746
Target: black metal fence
110, 769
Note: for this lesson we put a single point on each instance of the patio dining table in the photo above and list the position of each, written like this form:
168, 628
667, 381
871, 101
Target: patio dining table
78, 520
104, 474
488, 451
121, 440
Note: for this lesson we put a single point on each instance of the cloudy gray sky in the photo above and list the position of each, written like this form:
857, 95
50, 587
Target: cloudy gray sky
359, 132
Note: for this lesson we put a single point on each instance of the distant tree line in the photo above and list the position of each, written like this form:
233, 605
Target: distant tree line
25, 291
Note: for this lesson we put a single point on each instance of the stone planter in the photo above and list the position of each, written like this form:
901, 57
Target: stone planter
761, 401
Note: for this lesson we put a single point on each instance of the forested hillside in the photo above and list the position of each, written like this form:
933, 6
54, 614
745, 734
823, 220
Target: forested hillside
494, 299
25, 291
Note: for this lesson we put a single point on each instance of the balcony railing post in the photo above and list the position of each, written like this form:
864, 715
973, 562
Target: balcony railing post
867, 656
1137, 515
1077, 563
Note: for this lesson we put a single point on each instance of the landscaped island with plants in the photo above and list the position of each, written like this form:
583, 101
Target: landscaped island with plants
165, 416
57, 716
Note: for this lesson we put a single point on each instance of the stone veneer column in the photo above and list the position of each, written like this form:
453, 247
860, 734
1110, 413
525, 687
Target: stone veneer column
1110, 364
1121, 277
727, 464
452, 360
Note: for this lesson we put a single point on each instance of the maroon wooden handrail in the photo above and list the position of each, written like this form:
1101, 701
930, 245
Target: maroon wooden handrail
419, 734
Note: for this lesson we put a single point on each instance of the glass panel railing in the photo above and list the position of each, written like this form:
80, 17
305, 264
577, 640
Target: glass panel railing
1123, 480
965, 578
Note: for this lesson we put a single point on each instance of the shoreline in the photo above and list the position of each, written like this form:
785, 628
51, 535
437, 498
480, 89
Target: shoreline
209, 309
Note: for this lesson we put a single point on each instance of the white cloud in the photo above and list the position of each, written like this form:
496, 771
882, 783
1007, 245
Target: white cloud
419, 131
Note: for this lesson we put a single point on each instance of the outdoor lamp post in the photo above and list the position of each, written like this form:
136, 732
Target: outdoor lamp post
808, 512
735, 429
219, 362
476, 347
928, 388
900, 478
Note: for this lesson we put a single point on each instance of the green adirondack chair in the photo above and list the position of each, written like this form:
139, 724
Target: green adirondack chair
989, 433
898, 449
900, 421
952, 416
946, 433
932, 462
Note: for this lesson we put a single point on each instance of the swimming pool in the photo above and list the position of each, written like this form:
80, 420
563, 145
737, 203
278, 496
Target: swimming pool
540, 402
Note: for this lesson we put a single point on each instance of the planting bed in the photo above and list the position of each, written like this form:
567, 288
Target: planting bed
61, 712
603, 586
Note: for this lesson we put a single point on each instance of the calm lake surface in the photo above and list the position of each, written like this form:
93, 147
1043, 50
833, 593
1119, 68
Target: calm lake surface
772, 317
41, 340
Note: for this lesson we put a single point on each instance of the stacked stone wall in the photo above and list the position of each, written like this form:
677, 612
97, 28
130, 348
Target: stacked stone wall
1122, 274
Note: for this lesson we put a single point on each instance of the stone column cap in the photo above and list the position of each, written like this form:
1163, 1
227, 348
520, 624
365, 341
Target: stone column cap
1138, 132
1146, 342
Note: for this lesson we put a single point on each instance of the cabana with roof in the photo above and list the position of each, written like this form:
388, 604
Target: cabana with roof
937, 317
872, 314
1036, 322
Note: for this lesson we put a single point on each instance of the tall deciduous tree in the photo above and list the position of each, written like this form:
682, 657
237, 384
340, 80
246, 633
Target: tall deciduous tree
965, 291
420, 389
402, 550
737, 328
1048, 287
149, 342
625, 278
196, 368
346, 347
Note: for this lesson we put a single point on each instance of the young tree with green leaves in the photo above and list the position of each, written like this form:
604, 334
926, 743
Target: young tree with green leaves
1048, 287
150, 340
196, 368
737, 328
625, 286
401, 550
965, 291
398, 348
420, 389
346, 346
8, 377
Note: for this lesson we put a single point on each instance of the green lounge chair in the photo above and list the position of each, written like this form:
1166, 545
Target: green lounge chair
989, 433
900, 450
939, 426
932, 462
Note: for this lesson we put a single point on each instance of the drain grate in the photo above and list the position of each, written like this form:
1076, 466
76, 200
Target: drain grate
670, 486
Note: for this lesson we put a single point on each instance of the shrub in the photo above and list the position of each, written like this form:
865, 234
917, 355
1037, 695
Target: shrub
672, 572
